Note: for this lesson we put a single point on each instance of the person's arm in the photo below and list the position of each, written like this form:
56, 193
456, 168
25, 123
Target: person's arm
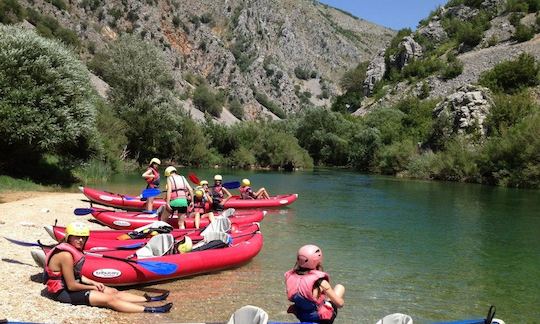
226, 192
148, 174
331, 294
100, 286
188, 187
168, 187
66, 267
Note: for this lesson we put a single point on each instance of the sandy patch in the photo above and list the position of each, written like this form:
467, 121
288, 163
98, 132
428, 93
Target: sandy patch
21, 290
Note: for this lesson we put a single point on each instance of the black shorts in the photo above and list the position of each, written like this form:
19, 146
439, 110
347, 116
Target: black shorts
81, 297
182, 210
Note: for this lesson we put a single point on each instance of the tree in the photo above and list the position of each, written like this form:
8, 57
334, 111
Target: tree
46, 102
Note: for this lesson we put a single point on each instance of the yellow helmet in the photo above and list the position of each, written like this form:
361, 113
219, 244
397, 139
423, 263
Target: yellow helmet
186, 246
155, 160
169, 170
218, 177
246, 182
199, 193
203, 182
77, 229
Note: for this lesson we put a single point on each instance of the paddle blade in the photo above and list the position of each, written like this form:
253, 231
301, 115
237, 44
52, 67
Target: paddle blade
83, 211
160, 268
151, 192
131, 246
193, 178
22, 243
232, 185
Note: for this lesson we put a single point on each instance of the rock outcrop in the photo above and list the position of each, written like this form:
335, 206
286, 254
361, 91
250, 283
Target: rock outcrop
410, 51
374, 73
463, 112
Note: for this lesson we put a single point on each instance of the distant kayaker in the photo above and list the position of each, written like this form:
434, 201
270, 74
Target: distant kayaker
219, 193
308, 287
179, 192
247, 193
200, 207
151, 176
63, 265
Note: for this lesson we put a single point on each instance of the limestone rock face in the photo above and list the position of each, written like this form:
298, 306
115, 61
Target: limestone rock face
411, 51
375, 73
434, 31
463, 112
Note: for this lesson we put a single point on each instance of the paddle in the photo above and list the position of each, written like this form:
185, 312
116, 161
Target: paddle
160, 268
122, 247
87, 211
228, 185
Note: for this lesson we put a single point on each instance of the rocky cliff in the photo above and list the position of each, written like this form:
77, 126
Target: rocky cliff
289, 52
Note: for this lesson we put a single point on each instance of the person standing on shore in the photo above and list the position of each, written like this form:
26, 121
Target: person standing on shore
179, 193
308, 287
63, 265
151, 176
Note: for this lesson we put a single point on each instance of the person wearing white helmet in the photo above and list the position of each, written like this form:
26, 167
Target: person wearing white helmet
247, 193
179, 193
308, 287
219, 193
65, 282
151, 176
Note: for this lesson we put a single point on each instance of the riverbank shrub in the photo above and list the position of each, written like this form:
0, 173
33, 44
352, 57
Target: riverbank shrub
46, 106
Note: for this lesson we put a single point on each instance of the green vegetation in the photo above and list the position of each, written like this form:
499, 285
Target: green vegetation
46, 108
235, 107
11, 12
12, 184
512, 76
269, 104
207, 101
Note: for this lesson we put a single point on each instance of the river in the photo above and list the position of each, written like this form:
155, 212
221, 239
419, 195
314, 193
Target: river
433, 250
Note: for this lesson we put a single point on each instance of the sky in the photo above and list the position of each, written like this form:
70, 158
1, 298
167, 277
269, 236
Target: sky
396, 14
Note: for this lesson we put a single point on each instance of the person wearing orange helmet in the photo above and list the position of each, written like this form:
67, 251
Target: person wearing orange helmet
151, 176
308, 287
247, 193
63, 267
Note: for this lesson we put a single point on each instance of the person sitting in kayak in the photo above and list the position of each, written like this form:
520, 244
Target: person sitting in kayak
309, 289
247, 193
151, 176
219, 193
178, 193
63, 265
200, 207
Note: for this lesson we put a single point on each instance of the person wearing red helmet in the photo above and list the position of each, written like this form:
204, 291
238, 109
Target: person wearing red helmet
308, 287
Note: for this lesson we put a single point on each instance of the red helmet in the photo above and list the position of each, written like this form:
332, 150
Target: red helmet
309, 256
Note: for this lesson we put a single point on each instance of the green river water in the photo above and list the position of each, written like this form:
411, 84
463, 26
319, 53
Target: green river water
435, 251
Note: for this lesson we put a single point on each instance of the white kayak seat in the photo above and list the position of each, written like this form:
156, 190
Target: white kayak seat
228, 212
249, 315
214, 237
153, 226
396, 318
497, 321
220, 224
157, 246
39, 257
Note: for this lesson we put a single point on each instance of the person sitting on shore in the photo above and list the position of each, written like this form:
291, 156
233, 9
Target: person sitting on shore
200, 207
219, 193
151, 176
63, 265
309, 289
247, 193
178, 193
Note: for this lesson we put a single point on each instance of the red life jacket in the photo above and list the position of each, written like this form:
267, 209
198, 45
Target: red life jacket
54, 280
217, 192
199, 206
246, 192
178, 191
300, 291
154, 181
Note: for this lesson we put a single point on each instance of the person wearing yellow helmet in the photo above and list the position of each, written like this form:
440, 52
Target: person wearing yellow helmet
151, 176
65, 282
200, 207
247, 193
179, 192
219, 193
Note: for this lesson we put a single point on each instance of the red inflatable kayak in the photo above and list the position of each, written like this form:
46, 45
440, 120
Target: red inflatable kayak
132, 220
100, 240
135, 203
115, 269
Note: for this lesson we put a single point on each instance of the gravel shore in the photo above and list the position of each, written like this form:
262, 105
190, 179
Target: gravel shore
22, 293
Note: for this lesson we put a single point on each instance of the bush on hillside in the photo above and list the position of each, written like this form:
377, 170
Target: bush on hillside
11, 12
523, 33
512, 76
207, 101
509, 110
46, 105
353, 80
235, 107
49, 27
269, 104
452, 70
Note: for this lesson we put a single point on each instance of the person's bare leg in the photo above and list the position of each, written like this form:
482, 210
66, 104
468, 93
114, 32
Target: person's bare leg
197, 220
149, 203
98, 298
339, 290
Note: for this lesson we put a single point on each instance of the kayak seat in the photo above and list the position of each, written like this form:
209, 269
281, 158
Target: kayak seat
157, 246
